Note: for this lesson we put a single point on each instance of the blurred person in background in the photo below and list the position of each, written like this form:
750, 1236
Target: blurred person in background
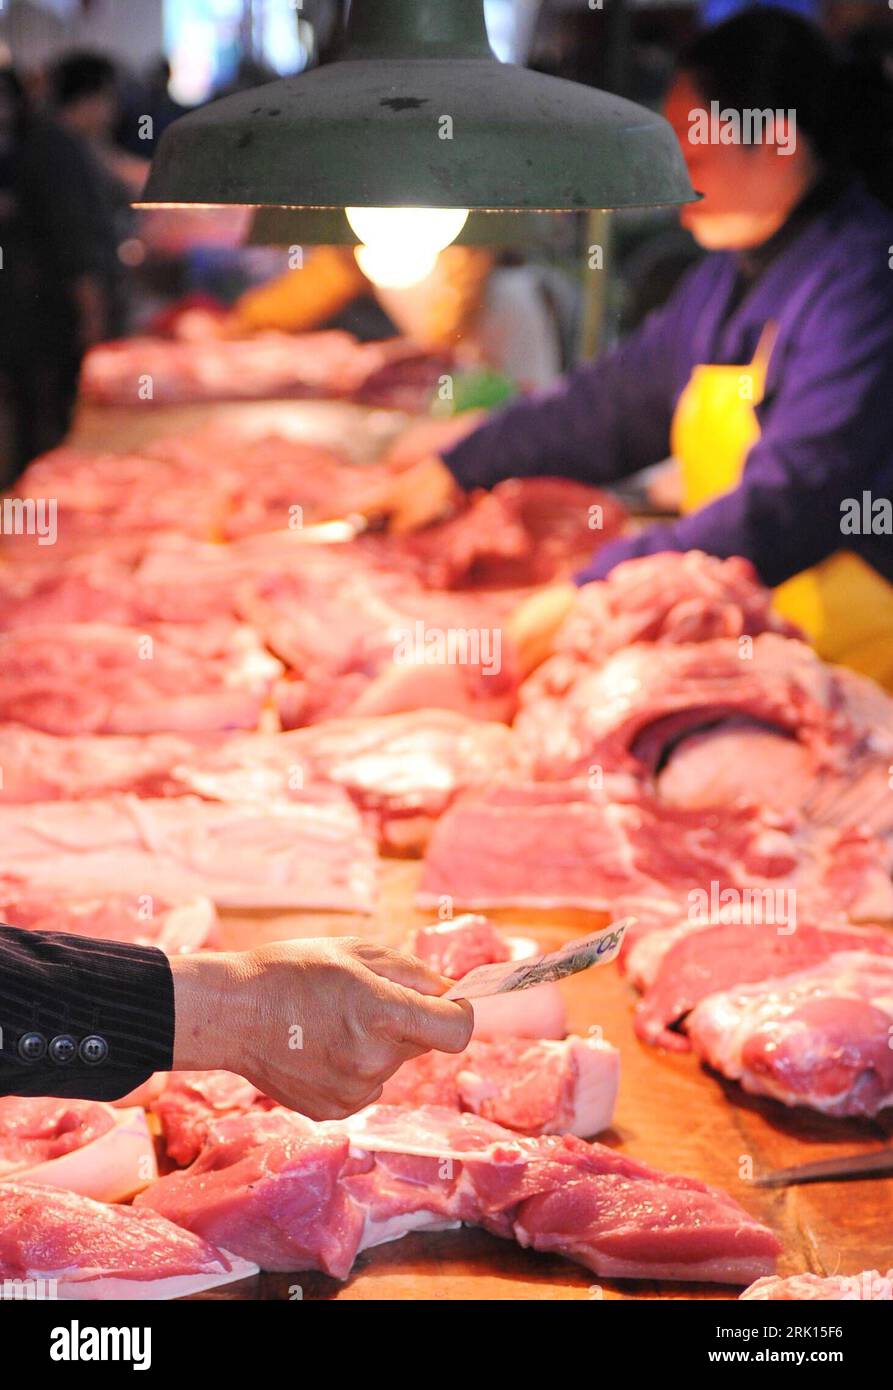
13, 125
71, 210
768, 374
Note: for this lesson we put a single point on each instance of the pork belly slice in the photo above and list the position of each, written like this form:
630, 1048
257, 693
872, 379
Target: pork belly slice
553, 844
454, 947
818, 1037
97, 1251
139, 920
701, 959
295, 1195
310, 854
96, 678
545, 1087
807, 1288
85, 1146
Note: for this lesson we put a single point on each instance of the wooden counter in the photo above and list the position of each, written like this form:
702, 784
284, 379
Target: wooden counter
671, 1113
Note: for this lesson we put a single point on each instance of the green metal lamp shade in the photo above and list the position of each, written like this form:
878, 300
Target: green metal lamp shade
419, 113
330, 227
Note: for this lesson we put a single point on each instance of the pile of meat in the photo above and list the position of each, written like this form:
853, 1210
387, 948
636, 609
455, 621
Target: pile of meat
205, 703
486, 1139
163, 371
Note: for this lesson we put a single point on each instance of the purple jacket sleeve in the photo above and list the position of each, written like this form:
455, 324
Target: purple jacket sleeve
603, 421
827, 435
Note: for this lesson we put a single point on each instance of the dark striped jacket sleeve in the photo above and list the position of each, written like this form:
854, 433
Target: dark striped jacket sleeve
81, 1018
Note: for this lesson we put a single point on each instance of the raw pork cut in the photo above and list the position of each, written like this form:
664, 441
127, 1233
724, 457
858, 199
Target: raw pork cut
454, 947
524, 532
674, 597
141, 920
703, 958
625, 714
551, 844
265, 366
302, 1196
531, 1087
309, 854
818, 1037
81, 1249
94, 678
402, 771
82, 1145
191, 1100
361, 639
807, 1288
49, 767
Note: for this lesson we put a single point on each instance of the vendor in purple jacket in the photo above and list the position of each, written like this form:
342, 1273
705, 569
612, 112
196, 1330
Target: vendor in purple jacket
768, 374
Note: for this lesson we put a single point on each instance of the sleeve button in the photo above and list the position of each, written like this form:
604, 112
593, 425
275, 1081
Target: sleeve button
93, 1050
63, 1049
32, 1046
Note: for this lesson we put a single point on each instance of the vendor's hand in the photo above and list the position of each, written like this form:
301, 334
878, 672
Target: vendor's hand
413, 498
426, 437
533, 626
319, 1025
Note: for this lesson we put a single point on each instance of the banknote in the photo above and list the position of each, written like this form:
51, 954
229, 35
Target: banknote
507, 976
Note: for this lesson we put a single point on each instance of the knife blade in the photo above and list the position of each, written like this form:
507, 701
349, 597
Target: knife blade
507, 976
870, 1165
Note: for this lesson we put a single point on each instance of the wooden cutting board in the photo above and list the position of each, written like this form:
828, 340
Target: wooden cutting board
671, 1113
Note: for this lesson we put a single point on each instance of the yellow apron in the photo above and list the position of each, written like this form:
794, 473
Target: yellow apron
843, 605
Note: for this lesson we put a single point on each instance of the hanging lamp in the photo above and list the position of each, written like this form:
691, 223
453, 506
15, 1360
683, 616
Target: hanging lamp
419, 113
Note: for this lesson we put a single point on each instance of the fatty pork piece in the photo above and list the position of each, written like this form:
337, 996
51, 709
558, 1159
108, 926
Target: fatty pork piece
361, 639
50, 767
551, 844
105, 496
95, 678
140, 920
401, 770
454, 947
531, 1087
870, 1285
310, 854
294, 1196
818, 1037
85, 1249
679, 967
627, 714
676, 597
84, 1146
329, 362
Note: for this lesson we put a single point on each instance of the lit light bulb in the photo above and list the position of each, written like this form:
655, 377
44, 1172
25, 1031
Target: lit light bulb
400, 246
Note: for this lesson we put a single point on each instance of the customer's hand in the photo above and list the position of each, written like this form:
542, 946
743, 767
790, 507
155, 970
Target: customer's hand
319, 1024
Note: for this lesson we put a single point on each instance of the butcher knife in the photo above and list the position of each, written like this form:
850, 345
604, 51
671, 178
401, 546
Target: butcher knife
870, 1165
336, 532
508, 976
